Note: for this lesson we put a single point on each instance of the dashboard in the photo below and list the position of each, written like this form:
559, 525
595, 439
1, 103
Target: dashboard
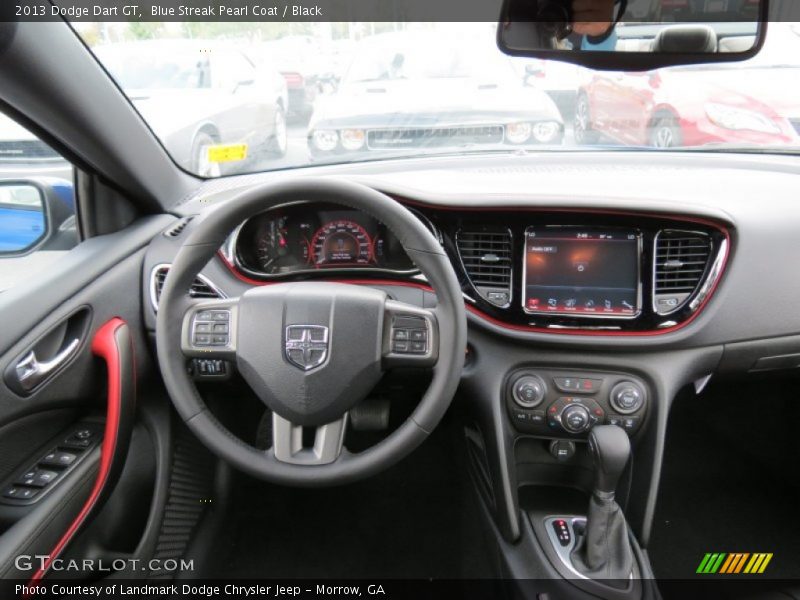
553, 270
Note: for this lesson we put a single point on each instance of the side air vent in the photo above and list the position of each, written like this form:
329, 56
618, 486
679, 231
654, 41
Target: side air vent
681, 262
176, 229
486, 256
200, 288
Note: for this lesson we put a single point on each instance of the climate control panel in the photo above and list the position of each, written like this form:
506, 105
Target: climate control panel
559, 403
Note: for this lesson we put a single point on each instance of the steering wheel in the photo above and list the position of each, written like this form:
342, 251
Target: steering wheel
311, 351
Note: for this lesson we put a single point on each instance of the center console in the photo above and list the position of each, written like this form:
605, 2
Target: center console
567, 403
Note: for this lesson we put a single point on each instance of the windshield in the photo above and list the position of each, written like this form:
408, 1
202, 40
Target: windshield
229, 98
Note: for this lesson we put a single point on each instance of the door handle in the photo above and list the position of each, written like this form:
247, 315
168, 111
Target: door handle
31, 372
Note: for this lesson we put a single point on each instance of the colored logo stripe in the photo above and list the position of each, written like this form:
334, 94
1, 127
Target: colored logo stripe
734, 563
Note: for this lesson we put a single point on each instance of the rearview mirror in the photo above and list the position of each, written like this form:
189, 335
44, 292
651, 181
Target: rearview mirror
23, 217
633, 35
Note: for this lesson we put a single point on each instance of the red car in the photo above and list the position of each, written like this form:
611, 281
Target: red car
693, 106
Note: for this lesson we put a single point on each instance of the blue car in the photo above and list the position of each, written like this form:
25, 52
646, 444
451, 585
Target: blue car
36, 214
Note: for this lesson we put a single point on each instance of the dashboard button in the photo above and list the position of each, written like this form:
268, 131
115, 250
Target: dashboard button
528, 391
497, 298
589, 386
627, 397
567, 384
575, 418
400, 334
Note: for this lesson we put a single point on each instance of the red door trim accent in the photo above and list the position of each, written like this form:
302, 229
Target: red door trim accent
104, 345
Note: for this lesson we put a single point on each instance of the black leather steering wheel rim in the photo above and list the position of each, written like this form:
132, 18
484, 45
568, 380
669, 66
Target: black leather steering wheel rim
207, 235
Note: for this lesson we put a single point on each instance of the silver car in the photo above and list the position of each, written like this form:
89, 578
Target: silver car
197, 94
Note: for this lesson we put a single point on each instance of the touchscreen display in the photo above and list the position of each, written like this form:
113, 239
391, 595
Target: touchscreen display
581, 272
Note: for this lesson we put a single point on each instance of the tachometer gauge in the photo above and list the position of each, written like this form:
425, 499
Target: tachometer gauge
341, 243
273, 245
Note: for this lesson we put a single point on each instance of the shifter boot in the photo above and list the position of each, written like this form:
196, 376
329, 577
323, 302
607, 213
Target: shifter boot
604, 550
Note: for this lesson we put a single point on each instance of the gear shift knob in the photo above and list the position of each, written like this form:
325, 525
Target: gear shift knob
610, 449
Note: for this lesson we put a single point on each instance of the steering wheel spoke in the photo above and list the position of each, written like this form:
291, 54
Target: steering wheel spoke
288, 447
410, 336
209, 329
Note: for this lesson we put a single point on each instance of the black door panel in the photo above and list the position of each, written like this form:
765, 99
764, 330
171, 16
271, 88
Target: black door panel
56, 318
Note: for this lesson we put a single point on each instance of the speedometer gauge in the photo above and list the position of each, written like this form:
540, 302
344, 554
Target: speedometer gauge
341, 243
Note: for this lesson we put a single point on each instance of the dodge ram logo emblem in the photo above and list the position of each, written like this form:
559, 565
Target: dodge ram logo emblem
306, 346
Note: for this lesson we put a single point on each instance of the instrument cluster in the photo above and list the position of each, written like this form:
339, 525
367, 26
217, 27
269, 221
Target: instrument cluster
302, 238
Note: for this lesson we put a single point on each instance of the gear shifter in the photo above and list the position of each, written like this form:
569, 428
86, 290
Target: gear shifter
604, 550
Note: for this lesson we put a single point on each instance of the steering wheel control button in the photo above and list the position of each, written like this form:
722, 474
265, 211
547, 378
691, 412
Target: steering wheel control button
58, 458
400, 346
627, 397
418, 335
528, 391
575, 418
562, 450
211, 327
409, 335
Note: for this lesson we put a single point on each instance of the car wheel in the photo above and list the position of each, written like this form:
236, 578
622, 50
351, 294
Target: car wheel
582, 126
200, 164
665, 133
280, 135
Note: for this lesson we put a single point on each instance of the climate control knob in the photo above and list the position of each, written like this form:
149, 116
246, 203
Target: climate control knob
575, 418
528, 391
627, 397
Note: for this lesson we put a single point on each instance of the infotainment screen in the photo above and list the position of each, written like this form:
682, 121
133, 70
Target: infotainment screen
582, 272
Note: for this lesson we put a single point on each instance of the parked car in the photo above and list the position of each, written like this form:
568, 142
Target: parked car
23, 154
299, 61
560, 80
195, 94
699, 105
403, 91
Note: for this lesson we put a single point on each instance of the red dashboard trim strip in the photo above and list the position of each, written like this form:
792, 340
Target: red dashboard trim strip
104, 345
529, 328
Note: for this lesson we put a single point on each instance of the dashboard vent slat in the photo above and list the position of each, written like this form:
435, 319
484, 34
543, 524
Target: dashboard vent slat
681, 261
176, 229
487, 260
200, 288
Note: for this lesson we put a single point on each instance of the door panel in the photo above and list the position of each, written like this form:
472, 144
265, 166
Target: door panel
93, 296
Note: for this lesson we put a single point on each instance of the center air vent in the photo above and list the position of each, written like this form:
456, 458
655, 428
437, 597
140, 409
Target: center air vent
200, 288
681, 262
486, 256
